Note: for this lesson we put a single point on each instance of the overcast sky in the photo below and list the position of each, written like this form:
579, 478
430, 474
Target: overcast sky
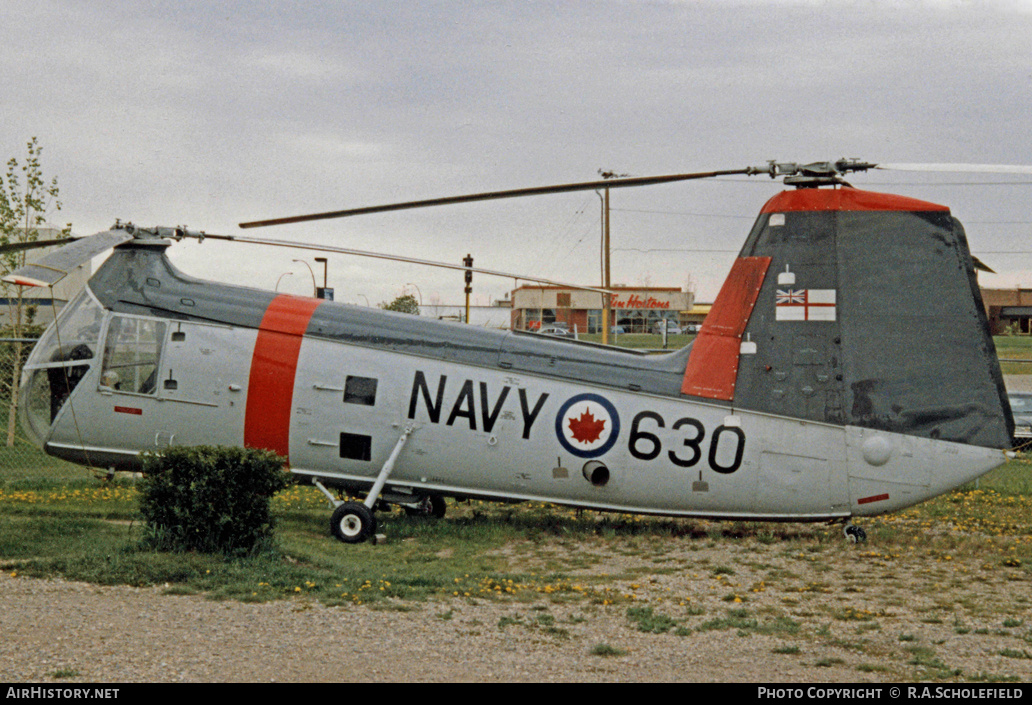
209, 114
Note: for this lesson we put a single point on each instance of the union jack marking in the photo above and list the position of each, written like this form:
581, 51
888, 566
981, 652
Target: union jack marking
804, 305
791, 296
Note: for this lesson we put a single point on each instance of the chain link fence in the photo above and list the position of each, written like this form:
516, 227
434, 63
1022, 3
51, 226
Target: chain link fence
21, 462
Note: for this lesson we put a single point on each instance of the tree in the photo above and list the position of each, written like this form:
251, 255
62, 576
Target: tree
25, 200
406, 303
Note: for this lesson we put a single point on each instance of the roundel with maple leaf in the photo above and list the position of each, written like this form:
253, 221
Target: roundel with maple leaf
587, 425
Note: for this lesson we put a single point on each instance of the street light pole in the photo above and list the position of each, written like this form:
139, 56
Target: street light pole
418, 292
315, 286
325, 292
325, 270
285, 274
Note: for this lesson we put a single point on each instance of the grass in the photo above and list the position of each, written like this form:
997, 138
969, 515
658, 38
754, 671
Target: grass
1014, 347
641, 341
603, 649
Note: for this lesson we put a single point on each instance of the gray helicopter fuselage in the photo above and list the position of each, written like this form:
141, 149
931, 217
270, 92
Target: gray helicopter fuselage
160, 358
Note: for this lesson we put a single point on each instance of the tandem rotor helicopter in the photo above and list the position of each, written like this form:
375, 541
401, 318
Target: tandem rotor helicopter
801, 399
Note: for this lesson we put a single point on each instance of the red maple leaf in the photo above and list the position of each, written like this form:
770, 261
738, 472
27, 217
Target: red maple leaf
587, 428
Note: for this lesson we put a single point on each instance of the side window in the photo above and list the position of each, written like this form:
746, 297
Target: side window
360, 390
131, 355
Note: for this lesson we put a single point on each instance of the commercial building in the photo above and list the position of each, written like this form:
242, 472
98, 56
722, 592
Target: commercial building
635, 310
1008, 310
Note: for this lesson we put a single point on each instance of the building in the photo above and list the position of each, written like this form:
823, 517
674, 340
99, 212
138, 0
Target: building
1008, 310
495, 316
633, 309
696, 314
39, 304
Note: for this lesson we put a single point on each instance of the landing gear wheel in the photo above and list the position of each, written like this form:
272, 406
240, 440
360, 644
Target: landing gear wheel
352, 522
430, 506
854, 533
437, 506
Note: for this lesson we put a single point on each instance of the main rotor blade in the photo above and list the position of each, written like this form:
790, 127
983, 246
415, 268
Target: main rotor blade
961, 168
981, 266
55, 266
400, 258
492, 195
35, 244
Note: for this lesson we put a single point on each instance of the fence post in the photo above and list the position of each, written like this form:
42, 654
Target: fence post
12, 411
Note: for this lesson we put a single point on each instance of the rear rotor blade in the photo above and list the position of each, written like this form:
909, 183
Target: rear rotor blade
492, 195
961, 168
398, 258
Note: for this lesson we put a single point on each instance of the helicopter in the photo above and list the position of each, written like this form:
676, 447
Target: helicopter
803, 397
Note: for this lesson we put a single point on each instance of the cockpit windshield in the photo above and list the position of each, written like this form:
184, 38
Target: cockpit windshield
59, 360
75, 334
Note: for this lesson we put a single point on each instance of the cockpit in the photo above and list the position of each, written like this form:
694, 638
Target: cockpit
59, 361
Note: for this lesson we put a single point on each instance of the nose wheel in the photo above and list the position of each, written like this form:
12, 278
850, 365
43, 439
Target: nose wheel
353, 522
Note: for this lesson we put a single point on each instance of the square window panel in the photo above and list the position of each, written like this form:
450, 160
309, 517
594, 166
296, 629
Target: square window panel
354, 446
360, 390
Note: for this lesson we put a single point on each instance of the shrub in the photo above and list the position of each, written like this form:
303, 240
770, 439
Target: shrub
210, 499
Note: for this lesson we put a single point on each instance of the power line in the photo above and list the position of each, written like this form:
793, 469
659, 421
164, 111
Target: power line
670, 249
699, 215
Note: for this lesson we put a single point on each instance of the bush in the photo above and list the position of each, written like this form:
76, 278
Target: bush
210, 499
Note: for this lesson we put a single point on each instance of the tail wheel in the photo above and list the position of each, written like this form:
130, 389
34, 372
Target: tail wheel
431, 506
854, 533
437, 506
352, 522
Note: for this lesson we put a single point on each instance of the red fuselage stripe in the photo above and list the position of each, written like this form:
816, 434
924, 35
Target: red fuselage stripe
270, 389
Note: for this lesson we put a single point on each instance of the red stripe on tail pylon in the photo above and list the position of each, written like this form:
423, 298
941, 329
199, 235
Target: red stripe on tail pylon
712, 368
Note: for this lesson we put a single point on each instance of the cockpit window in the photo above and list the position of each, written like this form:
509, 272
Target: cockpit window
74, 336
131, 355
60, 359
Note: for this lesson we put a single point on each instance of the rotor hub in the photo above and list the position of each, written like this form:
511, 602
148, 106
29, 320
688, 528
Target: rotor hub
814, 174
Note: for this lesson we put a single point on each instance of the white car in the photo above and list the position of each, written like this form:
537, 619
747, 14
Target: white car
558, 331
1021, 408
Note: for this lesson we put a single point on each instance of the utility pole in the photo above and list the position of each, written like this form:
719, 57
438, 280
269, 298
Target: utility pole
468, 262
606, 310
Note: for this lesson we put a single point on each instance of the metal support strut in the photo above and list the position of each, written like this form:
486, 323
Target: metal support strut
381, 478
353, 522
385, 471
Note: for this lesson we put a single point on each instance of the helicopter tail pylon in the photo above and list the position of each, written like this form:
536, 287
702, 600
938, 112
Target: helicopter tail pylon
859, 309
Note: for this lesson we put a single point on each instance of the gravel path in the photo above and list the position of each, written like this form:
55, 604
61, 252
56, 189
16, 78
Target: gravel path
59, 631
749, 611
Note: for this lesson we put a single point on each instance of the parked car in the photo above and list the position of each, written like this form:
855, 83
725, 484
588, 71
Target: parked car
692, 327
558, 331
617, 330
671, 328
1021, 408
